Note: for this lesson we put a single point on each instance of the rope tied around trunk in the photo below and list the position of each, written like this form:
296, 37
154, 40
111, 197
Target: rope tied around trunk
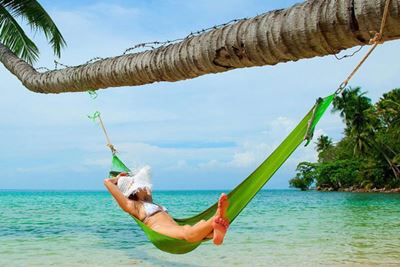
375, 41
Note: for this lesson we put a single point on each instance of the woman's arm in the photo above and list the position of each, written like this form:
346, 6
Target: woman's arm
127, 205
113, 180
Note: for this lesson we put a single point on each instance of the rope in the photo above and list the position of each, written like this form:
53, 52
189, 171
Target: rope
113, 150
95, 116
148, 45
349, 55
93, 95
384, 19
376, 40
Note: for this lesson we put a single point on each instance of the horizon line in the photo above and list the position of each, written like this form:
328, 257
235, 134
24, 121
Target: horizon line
104, 190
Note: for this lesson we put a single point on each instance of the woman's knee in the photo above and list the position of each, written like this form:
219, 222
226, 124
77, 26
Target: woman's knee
199, 223
189, 234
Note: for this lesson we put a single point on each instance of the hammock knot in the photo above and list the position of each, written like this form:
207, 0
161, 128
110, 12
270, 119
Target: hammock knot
113, 150
92, 93
377, 39
94, 116
312, 122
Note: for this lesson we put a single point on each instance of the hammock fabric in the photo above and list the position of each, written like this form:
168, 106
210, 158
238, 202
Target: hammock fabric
240, 196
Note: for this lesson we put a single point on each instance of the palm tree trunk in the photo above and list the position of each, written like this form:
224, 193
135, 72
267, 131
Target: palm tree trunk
306, 30
395, 169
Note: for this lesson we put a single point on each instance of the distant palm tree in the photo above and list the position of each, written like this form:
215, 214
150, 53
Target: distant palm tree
13, 36
355, 109
388, 108
323, 143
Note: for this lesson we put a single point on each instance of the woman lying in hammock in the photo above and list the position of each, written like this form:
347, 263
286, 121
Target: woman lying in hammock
133, 194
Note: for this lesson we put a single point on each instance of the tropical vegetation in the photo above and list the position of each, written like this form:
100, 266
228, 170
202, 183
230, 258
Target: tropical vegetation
368, 155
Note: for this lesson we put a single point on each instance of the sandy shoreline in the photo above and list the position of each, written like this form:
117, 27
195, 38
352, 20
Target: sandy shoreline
359, 190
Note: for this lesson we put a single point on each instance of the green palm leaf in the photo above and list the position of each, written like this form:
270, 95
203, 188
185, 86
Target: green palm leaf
37, 19
14, 37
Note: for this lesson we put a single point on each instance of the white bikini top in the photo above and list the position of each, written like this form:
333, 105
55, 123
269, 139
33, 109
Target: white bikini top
151, 209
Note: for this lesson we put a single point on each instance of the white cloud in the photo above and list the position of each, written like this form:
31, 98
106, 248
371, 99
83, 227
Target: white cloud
99, 162
243, 159
211, 164
117, 11
281, 125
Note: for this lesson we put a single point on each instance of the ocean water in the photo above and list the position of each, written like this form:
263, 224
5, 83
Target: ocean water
278, 228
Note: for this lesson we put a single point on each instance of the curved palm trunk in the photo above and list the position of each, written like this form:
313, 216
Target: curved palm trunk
313, 28
380, 149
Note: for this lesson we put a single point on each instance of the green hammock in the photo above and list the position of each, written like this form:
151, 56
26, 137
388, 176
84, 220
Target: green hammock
245, 191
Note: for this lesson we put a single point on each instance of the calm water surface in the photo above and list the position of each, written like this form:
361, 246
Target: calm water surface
278, 228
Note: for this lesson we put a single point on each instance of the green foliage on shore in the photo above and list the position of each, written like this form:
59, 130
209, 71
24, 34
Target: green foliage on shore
368, 155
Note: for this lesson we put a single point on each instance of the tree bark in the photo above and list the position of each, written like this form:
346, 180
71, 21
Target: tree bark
310, 29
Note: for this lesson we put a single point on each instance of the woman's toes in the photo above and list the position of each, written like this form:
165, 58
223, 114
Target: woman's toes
223, 197
221, 221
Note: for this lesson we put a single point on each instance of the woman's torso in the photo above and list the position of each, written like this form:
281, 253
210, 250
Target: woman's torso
153, 215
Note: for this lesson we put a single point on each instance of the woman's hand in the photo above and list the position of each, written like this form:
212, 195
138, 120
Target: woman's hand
114, 180
111, 180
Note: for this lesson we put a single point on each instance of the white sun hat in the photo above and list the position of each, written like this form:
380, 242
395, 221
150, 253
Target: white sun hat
129, 185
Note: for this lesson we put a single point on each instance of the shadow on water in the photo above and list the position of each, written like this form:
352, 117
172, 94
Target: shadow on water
163, 262
130, 239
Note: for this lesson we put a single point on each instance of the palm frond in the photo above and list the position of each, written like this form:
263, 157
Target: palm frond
38, 19
14, 37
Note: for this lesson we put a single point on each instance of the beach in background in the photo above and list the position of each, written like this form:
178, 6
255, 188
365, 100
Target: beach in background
278, 228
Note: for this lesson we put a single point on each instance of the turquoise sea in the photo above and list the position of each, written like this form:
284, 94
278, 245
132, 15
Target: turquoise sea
278, 228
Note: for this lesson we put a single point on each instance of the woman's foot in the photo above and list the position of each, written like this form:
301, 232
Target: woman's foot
221, 222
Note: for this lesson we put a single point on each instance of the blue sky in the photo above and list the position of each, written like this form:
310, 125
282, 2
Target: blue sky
205, 133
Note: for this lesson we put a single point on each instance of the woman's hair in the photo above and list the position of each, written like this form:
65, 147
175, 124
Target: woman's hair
135, 197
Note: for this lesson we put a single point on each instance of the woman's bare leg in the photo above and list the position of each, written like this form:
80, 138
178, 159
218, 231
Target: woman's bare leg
190, 233
199, 231
214, 228
219, 224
